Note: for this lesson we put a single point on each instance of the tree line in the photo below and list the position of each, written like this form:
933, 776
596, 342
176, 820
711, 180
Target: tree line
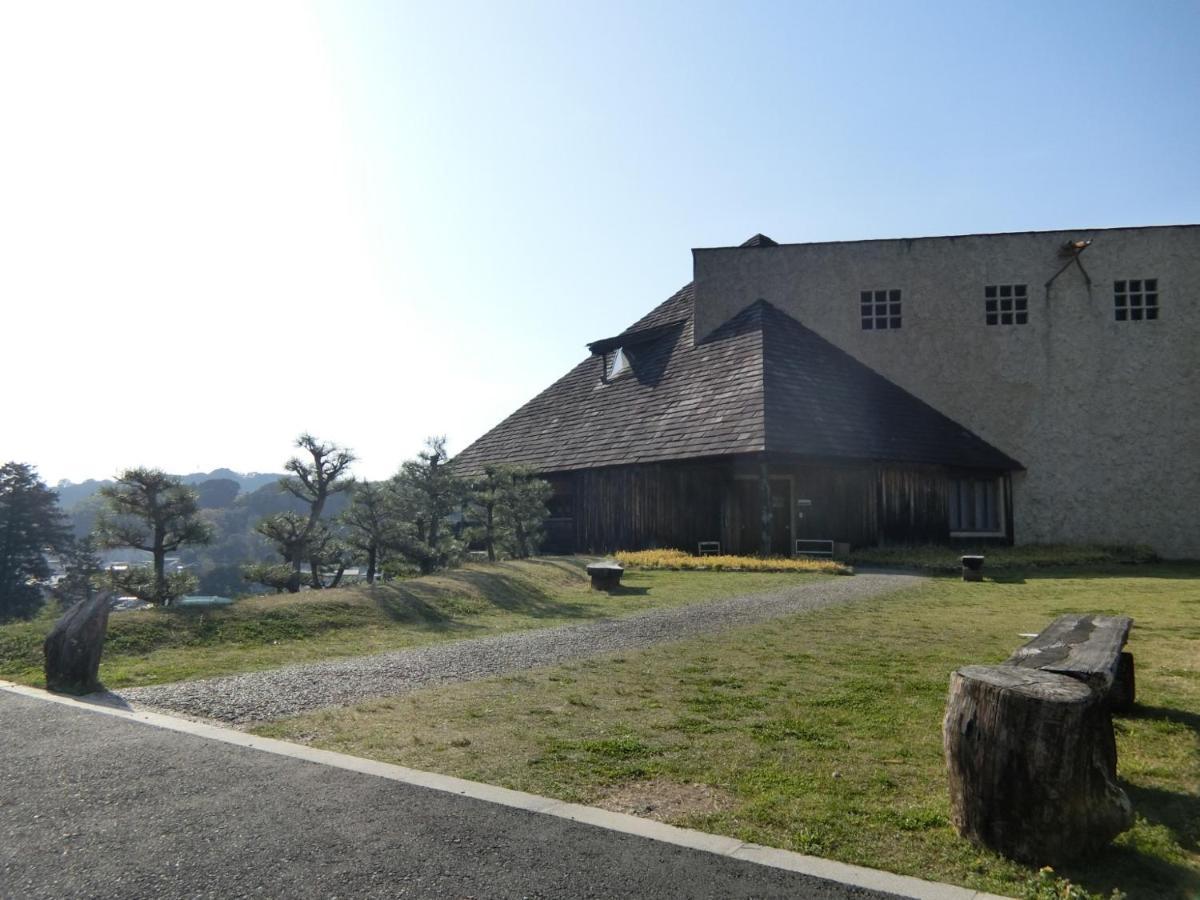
422, 519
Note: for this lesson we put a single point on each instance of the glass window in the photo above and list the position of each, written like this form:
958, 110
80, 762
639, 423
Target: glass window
1005, 304
1135, 300
975, 505
880, 310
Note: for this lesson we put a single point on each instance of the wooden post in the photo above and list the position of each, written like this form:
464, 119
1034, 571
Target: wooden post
1032, 764
764, 496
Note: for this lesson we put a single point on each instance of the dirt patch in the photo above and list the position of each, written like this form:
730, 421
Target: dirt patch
665, 800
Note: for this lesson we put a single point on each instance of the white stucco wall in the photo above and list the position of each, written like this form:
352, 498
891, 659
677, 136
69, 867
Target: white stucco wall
1105, 415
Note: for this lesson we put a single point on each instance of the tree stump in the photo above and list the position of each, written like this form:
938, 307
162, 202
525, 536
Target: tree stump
1032, 763
73, 647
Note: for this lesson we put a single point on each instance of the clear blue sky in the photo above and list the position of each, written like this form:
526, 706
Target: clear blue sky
447, 201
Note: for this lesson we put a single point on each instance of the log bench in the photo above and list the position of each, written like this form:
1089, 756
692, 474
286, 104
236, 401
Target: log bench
1030, 749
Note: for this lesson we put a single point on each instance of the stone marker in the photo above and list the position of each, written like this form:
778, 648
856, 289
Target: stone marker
605, 575
972, 568
74, 645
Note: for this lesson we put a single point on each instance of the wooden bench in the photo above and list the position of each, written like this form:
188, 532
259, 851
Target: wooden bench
1029, 744
709, 548
819, 549
1089, 648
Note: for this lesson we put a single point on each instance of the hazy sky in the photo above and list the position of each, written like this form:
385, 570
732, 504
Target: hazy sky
222, 224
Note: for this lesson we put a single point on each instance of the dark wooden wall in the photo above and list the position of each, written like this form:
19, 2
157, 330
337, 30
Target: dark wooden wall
680, 504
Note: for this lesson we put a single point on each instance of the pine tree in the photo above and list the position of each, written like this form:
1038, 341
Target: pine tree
521, 511
30, 524
149, 510
427, 493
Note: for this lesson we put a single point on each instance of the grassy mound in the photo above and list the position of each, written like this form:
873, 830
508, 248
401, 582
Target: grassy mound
158, 645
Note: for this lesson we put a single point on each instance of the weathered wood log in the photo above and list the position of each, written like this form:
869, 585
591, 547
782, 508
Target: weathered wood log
1124, 690
1032, 764
74, 645
1084, 646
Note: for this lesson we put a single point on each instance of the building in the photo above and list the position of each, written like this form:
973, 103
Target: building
1032, 387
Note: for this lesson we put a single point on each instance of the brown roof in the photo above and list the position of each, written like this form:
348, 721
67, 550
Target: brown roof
760, 382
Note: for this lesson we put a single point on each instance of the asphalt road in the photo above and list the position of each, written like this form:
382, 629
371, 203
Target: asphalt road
96, 806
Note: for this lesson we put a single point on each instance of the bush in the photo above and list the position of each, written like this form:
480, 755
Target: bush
679, 560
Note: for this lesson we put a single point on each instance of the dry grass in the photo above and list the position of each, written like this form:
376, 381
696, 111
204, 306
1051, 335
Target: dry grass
823, 734
678, 560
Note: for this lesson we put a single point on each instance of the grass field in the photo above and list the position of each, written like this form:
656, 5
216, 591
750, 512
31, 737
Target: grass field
821, 733
155, 646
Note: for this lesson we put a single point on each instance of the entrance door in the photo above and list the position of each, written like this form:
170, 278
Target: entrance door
749, 509
781, 517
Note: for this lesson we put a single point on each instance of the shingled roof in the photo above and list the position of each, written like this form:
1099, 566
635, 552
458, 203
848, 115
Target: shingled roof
760, 382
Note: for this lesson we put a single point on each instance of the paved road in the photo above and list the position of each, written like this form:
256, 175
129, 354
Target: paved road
258, 696
95, 806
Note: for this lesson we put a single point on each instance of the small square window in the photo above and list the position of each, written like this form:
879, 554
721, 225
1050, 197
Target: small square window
1005, 299
1135, 299
880, 310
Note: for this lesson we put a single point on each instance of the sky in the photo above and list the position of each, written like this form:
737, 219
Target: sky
224, 224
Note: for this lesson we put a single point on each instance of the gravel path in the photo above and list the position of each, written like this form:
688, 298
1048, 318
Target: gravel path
273, 694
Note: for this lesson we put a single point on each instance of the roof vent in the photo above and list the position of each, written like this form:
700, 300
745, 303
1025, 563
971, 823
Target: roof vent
760, 240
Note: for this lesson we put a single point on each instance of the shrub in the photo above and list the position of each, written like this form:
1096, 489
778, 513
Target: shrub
679, 560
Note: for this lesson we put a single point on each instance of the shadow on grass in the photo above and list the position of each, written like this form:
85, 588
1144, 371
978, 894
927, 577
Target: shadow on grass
624, 590
439, 606
1140, 876
1144, 873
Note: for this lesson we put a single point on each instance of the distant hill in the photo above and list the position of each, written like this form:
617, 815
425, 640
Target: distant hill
71, 493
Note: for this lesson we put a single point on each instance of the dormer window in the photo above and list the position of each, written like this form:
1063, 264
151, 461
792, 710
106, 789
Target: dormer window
617, 353
618, 364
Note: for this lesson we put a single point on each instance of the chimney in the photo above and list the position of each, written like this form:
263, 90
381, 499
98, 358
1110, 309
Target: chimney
725, 281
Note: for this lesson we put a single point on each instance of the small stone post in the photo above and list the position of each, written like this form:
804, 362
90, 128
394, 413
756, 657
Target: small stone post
74, 645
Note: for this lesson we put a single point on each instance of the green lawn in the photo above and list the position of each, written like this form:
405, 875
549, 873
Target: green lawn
821, 734
155, 646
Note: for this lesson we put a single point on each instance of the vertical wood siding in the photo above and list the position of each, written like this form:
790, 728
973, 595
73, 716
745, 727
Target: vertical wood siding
680, 504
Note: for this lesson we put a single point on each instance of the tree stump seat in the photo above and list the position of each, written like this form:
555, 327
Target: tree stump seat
605, 575
1030, 749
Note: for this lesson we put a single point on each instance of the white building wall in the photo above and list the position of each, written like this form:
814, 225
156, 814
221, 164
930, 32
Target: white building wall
1105, 415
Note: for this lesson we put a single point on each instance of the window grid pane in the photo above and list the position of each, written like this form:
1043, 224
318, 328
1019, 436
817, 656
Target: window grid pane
880, 310
1006, 299
1135, 300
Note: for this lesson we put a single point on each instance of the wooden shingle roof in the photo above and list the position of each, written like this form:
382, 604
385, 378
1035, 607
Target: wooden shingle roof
760, 382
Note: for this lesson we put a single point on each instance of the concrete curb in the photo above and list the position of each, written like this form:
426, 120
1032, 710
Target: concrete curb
855, 876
